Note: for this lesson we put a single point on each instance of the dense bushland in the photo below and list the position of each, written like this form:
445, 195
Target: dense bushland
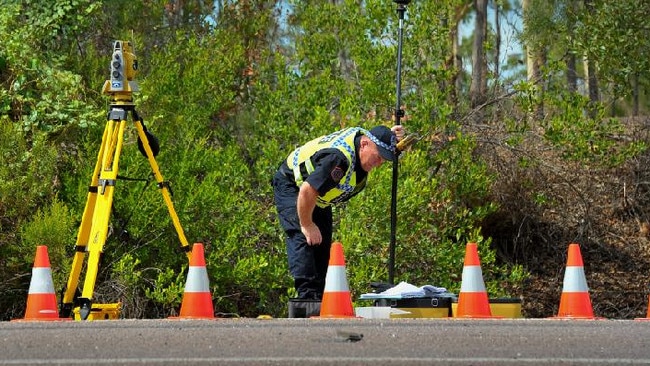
229, 92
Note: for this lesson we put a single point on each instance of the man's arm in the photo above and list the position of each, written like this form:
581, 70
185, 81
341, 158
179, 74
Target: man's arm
306, 202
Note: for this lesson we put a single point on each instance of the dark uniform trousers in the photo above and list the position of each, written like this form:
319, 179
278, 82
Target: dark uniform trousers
307, 263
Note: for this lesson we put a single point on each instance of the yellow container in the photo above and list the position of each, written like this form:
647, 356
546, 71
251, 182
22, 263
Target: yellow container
101, 312
502, 307
428, 307
422, 313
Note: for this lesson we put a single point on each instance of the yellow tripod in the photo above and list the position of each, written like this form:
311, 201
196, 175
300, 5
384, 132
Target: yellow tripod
94, 224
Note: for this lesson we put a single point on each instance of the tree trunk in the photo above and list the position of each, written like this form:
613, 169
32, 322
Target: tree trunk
478, 86
455, 61
590, 67
497, 41
635, 94
592, 80
532, 72
571, 74
345, 64
535, 59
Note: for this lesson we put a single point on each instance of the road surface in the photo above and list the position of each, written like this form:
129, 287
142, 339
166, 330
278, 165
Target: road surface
326, 342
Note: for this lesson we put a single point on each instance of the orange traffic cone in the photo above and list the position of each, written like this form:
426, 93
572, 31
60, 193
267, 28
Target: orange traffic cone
575, 302
473, 299
41, 300
337, 302
197, 299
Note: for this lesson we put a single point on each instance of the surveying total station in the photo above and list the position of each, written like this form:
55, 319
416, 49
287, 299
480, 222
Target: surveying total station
95, 221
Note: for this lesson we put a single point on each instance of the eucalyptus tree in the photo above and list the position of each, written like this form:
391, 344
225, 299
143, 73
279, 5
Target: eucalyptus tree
478, 87
614, 36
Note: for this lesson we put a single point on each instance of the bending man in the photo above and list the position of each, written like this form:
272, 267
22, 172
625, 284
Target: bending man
325, 171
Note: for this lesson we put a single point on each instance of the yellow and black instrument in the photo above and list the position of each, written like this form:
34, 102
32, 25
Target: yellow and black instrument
94, 226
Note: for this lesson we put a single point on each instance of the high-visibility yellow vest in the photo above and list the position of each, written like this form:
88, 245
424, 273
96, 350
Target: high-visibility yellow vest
299, 161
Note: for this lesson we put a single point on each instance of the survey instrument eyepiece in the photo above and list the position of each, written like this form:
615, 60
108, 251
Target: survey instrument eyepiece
123, 68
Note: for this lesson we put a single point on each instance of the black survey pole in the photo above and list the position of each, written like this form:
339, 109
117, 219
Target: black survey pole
399, 113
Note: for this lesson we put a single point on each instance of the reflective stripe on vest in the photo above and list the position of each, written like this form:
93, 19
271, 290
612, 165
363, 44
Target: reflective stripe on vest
299, 161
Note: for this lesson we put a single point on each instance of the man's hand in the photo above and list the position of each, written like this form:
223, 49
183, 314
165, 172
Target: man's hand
398, 130
312, 233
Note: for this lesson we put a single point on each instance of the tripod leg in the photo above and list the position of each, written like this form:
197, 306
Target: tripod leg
67, 300
112, 147
164, 187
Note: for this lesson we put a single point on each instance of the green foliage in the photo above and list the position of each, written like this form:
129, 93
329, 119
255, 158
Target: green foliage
615, 36
30, 215
609, 34
167, 288
49, 20
28, 174
586, 139
568, 128
229, 93
225, 119
438, 213
163, 286
40, 92
52, 226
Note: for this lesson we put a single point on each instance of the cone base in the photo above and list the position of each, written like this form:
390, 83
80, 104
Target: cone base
197, 305
42, 320
193, 316
473, 305
335, 317
477, 317
575, 317
41, 307
337, 305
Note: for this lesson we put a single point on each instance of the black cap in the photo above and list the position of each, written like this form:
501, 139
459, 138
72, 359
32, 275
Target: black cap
385, 140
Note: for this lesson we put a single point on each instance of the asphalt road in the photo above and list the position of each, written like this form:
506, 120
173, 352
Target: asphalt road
326, 342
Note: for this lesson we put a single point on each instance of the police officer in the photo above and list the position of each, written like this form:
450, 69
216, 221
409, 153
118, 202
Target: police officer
325, 171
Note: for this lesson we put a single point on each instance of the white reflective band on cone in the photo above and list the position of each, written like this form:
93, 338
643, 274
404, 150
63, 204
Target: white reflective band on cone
472, 280
335, 280
197, 280
574, 280
44, 283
